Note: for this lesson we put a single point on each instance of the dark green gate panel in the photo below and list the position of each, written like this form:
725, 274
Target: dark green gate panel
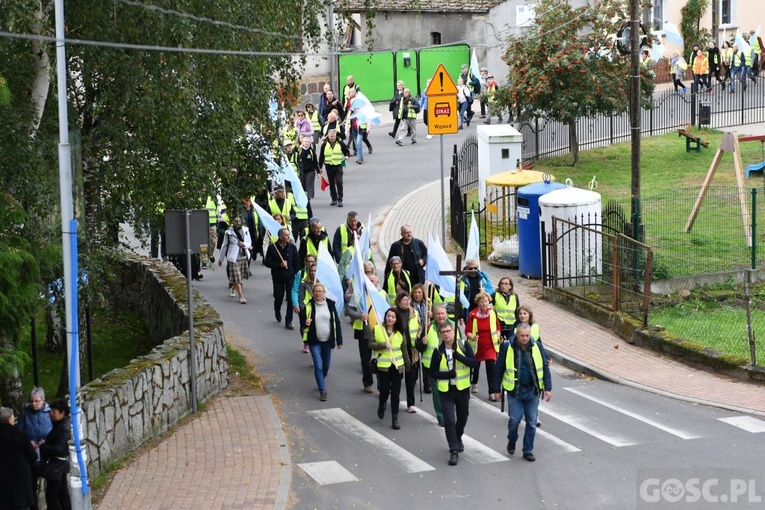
406, 74
373, 72
452, 57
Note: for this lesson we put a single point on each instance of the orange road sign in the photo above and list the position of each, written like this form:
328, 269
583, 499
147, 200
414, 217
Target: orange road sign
442, 115
441, 84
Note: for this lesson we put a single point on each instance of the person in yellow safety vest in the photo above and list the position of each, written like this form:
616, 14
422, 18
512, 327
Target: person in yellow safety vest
289, 132
349, 85
450, 366
420, 305
300, 223
313, 117
345, 234
212, 212
291, 154
361, 330
524, 374
392, 361
313, 237
525, 315
726, 53
396, 279
412, 333
483, 332
332, 156
279, 204
430, 341
505, 302
302, 290
408, 107
492, 107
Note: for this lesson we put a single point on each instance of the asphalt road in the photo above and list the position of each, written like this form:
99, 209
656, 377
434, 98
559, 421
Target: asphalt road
597, 442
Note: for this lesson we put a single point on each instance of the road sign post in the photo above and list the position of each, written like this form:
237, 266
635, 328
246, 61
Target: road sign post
443, 120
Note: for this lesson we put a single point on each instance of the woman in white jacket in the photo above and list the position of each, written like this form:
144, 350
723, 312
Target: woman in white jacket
236, 248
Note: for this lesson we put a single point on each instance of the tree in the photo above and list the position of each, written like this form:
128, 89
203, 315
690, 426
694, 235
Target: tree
690, 24
565, 66
152, 128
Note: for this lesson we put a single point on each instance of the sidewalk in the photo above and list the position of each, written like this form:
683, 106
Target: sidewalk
576, 342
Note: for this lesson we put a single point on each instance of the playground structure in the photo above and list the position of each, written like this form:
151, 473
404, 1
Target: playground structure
693, 141
757, 167
729, 143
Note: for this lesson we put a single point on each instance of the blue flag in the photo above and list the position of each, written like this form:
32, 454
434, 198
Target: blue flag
267, 220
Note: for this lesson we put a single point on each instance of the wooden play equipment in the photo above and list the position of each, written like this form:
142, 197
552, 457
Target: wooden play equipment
692, 141
729, 143
758, 167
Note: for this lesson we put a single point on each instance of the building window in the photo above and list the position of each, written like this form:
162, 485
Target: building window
726, 12
435, 38
657, 15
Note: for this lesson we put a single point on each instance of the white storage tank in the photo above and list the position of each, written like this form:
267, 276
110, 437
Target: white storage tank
579, 257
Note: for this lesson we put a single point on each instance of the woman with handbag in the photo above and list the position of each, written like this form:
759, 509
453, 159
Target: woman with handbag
54, 450
392, 360
235, 249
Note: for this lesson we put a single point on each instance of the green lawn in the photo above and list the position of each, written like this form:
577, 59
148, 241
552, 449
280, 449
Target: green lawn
118, 337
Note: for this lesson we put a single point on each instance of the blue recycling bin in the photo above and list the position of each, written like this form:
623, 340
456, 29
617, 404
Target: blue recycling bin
529, 239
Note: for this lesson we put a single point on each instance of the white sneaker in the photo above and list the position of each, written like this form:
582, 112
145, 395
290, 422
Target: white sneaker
242, 300
429, 137
473, 388
232, 293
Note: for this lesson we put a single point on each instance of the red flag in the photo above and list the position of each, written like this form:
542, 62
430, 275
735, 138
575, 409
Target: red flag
324, 182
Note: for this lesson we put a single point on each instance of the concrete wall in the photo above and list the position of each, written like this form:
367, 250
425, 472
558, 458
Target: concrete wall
130, 405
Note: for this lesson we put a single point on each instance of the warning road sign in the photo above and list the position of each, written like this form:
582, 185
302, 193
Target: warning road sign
441, 84
442, 103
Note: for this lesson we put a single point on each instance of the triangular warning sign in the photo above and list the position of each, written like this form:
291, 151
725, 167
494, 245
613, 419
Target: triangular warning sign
441, 84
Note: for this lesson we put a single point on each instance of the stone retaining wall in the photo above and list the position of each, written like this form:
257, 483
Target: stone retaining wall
131, 405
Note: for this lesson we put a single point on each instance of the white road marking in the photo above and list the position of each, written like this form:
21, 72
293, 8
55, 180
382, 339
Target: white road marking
327, 473
747, 423
586, 425
475, 451
567, 447
649, 421
348, 426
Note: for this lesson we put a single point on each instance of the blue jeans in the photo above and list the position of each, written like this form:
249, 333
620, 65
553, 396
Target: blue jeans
360, 144
322, 356
525, 402
463, 108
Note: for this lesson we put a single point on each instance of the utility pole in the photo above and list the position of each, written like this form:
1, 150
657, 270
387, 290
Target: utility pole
79, 490
635, 116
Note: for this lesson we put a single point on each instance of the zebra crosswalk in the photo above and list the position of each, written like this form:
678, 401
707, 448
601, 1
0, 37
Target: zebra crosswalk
579, 419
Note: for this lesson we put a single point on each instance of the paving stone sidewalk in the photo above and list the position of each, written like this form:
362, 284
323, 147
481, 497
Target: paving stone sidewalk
211, 462
580, 343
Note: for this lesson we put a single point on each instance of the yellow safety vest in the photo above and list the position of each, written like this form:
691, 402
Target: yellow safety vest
493, 329
462, 380
414, 326
432, 343
301, 213
313, 249
212, 211
390, 285
411, 113
505, 309
511, 374
386, 357
333, 156
284, 211
314, 118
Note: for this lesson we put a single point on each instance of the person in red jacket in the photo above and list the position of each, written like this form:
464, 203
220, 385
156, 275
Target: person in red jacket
483, 331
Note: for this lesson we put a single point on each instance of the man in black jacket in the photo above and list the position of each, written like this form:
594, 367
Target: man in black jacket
282, 258
413, 253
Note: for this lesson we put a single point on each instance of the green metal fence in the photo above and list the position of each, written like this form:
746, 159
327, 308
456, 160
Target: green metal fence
377, 72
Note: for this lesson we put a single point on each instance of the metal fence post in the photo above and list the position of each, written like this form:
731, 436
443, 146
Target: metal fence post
694, 98
647, 286
611, 128
536, 135
754, 228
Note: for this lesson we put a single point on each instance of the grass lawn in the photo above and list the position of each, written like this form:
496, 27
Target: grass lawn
118, 337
